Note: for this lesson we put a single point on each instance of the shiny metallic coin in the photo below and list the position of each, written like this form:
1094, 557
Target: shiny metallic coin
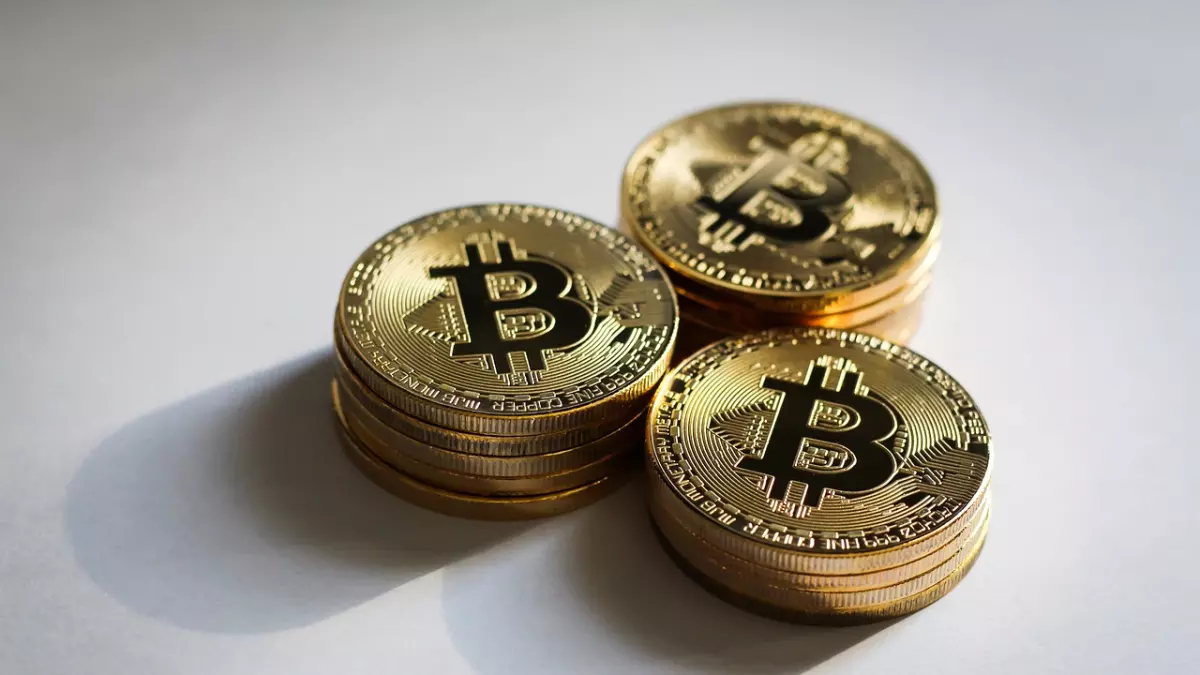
818, 451
800, 208
508, 320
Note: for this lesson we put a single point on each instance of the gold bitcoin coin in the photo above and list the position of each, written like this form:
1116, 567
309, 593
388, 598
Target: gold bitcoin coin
693, 546
825, 616
547, 453
802, 208
409, 456
508, 320
471, 506
818, 451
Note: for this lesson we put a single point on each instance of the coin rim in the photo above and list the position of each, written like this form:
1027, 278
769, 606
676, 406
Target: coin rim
692, 545
860, 615
783, 313
841, 600
881, 309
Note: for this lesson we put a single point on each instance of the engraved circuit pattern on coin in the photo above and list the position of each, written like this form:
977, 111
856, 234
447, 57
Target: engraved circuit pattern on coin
507, 318
825, 443
781, 200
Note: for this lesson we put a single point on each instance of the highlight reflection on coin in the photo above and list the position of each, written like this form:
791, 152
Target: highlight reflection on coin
508, 319
805, 209
818, 451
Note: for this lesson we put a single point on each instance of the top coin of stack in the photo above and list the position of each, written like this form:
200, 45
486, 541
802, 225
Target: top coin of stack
496, 361
819, 475
784, 214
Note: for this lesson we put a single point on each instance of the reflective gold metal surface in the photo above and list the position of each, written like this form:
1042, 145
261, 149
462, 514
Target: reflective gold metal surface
508, 319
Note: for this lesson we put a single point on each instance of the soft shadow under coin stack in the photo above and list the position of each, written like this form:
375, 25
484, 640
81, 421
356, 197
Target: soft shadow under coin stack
819, 475
497, 361
782, 214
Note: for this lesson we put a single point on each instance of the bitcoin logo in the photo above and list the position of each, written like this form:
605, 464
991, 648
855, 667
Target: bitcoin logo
779, 195
824, 439
515, 308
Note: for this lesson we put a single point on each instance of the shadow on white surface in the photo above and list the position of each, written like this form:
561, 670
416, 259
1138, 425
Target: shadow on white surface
234, 511
601, 596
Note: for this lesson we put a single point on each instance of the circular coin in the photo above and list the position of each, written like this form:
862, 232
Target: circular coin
508, 319
793, 204
818, 451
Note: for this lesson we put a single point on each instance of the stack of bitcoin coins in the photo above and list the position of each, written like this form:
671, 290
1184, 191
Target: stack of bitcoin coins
819, 475
779, 214
497, 361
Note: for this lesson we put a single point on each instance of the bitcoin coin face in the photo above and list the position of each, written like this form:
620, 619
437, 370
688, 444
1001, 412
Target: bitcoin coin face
790, 203
506, 319
819, 442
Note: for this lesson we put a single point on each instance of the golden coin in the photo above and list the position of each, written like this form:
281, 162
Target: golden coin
827, 616
409, 455
796, 205
471, 506
693, 547
818, 451
550, 452
508, 320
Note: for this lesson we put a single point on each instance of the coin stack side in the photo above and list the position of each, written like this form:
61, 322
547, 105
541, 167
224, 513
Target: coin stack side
770, 214
496, 361
476, 507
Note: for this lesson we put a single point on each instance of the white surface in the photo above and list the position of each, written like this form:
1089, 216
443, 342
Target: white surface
183, 186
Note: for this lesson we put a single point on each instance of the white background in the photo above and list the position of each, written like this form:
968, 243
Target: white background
182, 186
